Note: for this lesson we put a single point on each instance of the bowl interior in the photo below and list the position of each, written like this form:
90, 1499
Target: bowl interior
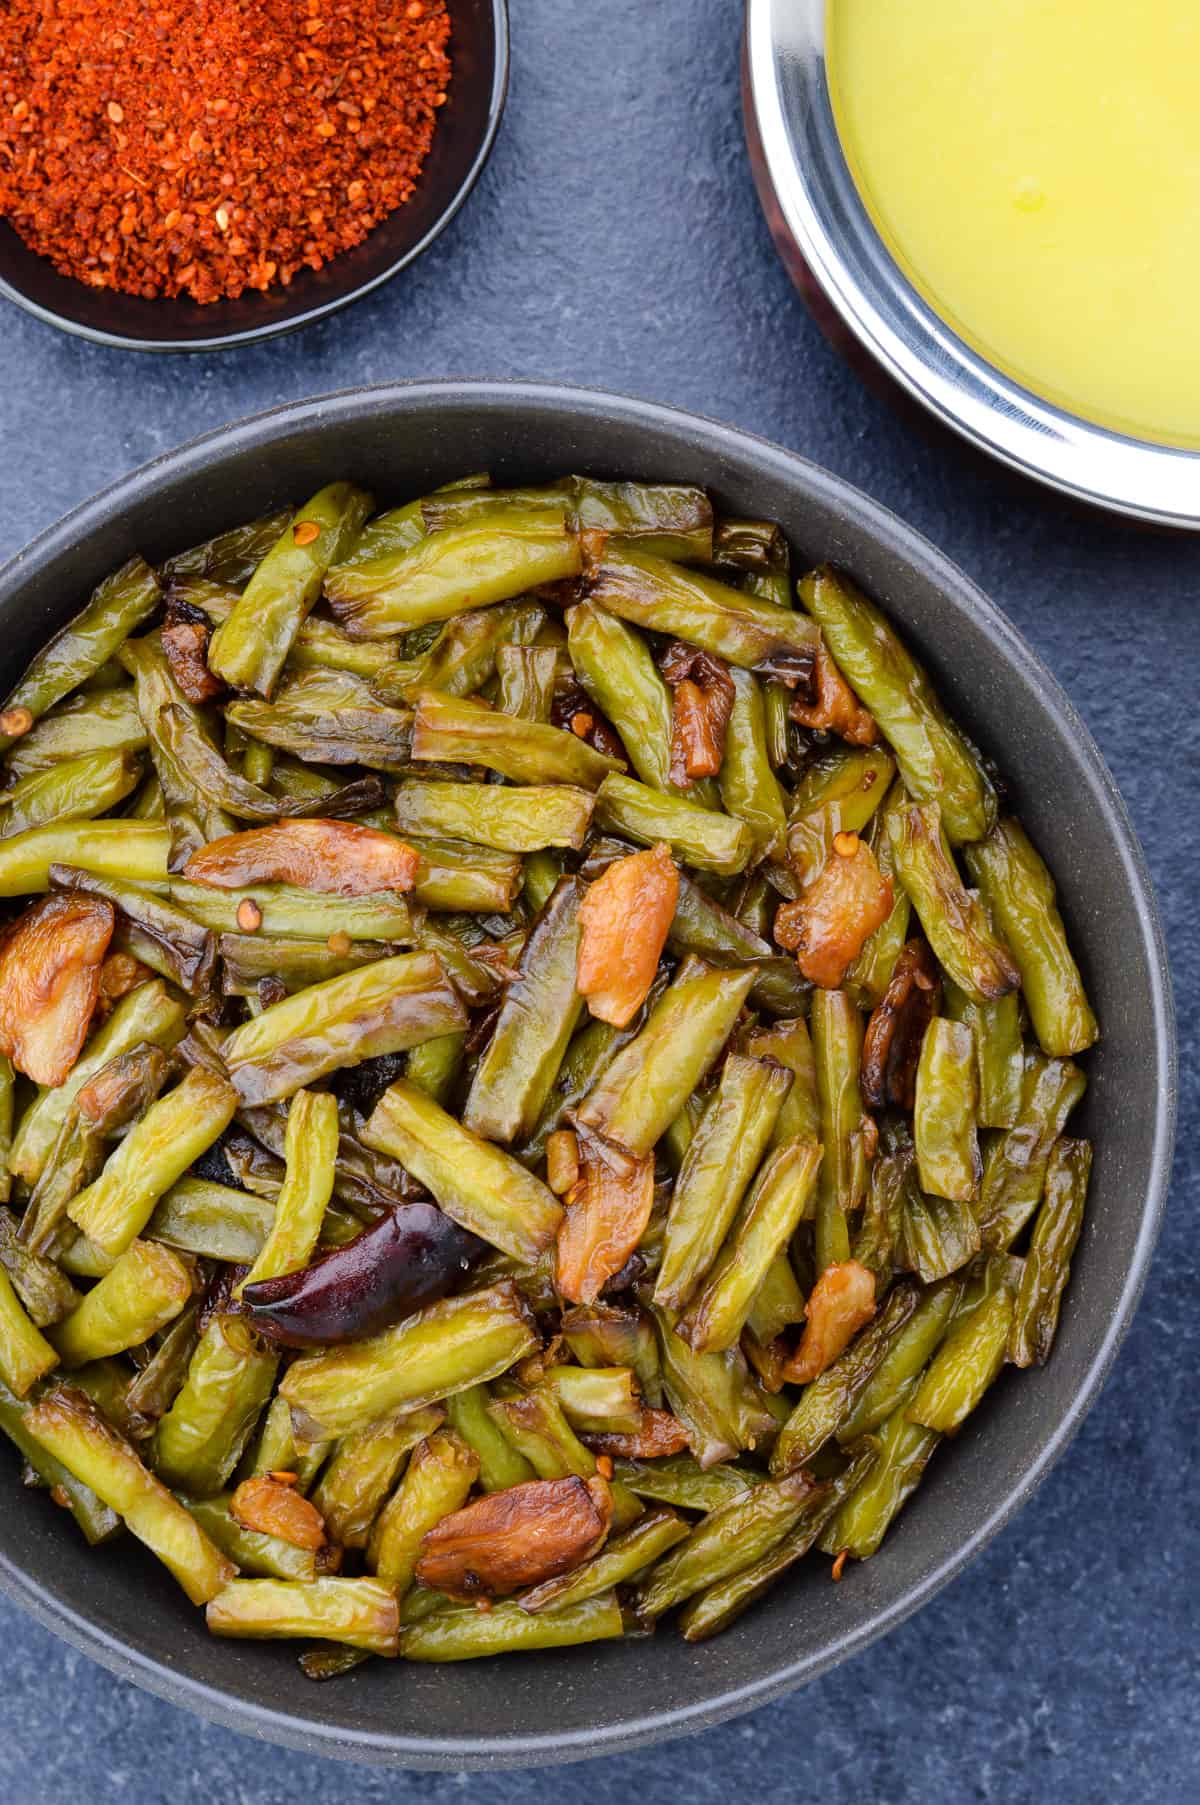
465, 129
118, 1603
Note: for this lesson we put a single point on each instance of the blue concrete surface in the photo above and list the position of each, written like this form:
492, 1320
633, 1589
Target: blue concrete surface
615, 239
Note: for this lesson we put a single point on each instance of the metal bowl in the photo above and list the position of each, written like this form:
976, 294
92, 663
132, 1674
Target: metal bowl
121, 1607
466, 130
828, 242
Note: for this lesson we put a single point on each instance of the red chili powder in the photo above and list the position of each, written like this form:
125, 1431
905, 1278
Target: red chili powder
203, 147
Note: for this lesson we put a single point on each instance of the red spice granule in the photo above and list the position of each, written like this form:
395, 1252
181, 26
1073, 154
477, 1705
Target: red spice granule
203, 147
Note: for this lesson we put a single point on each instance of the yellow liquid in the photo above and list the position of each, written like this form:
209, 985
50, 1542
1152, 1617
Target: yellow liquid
1034, 167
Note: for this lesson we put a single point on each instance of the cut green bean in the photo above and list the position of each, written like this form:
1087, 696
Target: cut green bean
955, 921
310, 1151
621, 1561
728, 1540
896, 1377
1047, 1265
965, 1365
750, 790
146, 1289
713, 1395
865, 1517
298, 914
666, 598
362, 1471
946, 1112
465, 1634
826, 1401
698, 836
359, 1612
437, 1482
208, 1427
1014, 1166
78, 789
329, 717
837, 1037
251, 1550
508, 820
500, 1465
999, 1053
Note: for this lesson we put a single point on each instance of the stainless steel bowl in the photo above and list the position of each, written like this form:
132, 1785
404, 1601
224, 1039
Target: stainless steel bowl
828, 242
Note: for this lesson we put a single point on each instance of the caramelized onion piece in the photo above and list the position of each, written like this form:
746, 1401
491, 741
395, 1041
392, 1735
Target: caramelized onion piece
836, 708
516, 1538
185, 636
703, 703
892, 1043
827, 926
574, 709
339, 858
50, 982
624, 921
270, 1503
607, 1210
657, 1433
840, 1302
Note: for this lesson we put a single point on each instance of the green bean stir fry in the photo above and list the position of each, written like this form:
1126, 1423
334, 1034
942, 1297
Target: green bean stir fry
536, 1071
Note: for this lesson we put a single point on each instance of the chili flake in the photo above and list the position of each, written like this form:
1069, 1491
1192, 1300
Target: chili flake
204, 147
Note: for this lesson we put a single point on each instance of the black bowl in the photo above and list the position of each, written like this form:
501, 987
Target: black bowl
466, 129
120, 1606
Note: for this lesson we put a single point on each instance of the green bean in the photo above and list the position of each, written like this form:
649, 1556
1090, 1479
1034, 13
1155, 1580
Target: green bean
184, 752
251, 1550
437, 1482
246, 959
120, 604
96, 1521
500, 1465
677, 1479
145, 1290
538, 1016
311, 1148
446, 1347
248, 650
954, 920
162, 936
329, 717
435, 1065
321, 645
148, 804
77, 789
362, 1471
719, 1605
702, 926
208, 1427
86, 724
382, 1008
713, 1395
665, 598
148, 1013
526, 677
509, 820
501, 554
465, 1634
865, 1517
649, 1081
598, 1400
965, 1365
176, 1130
463, 656
788, 1044
180, 742
897, 1375
827, 1401
69, 1428
837, 1037
698, 836
758, 546
359, 1612
622, 1560
212, 1220
665, 518
278, 1451
459, 730
231, 557
456, 875
25, 1354
749, 788
160, 1381
730, 1140
1019, 891
589, 1055
45, 1292
105, 1383
294, 914
726, 1541
477, 1184
1047, 1265
937, 761
392, 531
781, 1196
135, 850
1014, 1165
946, 1112
602, 1334
999, 1053
870, 974
840, 793
779, 1303
614, 665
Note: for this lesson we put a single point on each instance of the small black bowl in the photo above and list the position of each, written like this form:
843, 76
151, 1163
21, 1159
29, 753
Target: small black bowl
121, 1607
466, 130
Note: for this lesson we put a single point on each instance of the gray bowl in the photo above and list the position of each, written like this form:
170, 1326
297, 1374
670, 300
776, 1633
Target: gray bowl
119, 1605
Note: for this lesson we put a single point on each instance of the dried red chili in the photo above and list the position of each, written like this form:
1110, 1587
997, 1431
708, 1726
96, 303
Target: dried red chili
203, 147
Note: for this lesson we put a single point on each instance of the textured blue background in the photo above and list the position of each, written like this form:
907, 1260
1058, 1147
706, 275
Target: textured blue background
615, 239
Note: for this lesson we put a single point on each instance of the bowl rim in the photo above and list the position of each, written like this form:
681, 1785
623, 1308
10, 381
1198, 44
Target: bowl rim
815, 213
256, 335
898, 541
